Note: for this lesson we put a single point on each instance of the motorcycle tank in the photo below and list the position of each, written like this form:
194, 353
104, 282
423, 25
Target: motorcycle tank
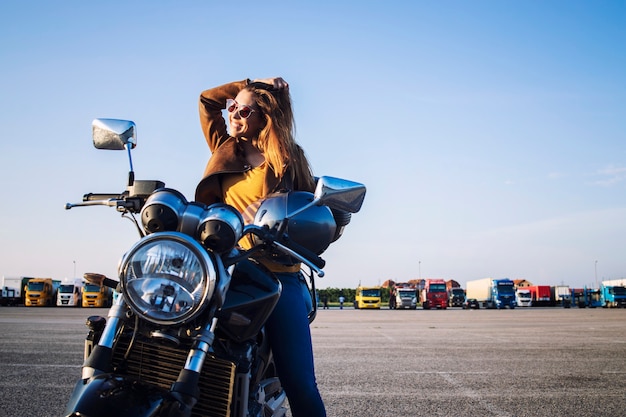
251, 297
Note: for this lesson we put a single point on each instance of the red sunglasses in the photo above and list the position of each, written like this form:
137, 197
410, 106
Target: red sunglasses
243, 111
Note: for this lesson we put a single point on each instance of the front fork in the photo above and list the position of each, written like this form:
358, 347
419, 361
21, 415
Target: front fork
99, 357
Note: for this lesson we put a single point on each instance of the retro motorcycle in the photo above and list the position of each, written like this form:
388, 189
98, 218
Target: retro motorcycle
185, 335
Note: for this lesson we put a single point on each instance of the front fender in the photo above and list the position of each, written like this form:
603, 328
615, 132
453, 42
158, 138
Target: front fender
116, 395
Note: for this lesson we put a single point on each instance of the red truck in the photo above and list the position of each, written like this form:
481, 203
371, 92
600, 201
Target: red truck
434, 294
540, 295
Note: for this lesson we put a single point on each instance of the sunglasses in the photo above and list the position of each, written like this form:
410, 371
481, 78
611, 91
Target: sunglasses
243, 111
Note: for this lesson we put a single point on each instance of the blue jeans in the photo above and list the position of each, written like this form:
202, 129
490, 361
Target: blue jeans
290, 339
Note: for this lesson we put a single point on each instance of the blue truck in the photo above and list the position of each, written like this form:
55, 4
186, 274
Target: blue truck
492, 293
613, 296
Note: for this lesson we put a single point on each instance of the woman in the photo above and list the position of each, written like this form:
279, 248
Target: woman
257, 157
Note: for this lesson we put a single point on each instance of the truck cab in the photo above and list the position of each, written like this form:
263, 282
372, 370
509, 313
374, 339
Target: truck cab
40, 292
405, 297
96, 296
434, 294
522, 297
456, 297
70, 293
503, 293
367, 298
613, 296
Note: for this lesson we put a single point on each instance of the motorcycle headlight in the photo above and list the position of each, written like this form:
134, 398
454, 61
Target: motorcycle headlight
167, 278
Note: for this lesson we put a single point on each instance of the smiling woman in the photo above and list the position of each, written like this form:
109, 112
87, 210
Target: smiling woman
257, 157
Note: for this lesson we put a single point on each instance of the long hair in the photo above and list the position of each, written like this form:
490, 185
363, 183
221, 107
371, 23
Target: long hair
277, 138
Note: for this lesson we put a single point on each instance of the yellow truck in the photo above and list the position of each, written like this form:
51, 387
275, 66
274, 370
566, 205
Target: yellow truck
367, 297
41, 292
96, 296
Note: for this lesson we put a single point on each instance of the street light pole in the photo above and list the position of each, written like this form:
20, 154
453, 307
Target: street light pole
74, 269
596, 273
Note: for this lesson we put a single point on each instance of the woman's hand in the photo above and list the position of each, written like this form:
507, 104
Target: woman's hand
276, 82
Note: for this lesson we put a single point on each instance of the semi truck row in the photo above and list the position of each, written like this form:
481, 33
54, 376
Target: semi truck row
46, 292
491, 293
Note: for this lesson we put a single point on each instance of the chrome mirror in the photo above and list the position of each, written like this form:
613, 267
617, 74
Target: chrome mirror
114, 134
340, 194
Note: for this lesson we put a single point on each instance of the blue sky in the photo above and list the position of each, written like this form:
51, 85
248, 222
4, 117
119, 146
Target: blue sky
490, 134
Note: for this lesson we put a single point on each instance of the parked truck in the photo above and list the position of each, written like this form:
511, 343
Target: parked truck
586, 297
522, 297
561, 295
41, 292
540, 296
367, 297
613, 296
70, 293
96, 295
13, 290
434, 294
404, 297
456, 297
492, 293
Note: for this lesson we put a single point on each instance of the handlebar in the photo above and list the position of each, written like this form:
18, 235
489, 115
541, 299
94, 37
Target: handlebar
99, 196
110, 203
122, 202
288, 247
306, 254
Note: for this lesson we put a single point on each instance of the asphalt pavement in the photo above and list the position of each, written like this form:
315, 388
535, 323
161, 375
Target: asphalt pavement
522, 362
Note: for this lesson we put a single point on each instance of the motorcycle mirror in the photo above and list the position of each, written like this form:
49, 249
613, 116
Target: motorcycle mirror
340, 194
116, 135
113, 134
335, 193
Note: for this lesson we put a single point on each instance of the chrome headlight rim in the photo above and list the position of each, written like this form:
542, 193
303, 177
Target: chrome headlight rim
205, 262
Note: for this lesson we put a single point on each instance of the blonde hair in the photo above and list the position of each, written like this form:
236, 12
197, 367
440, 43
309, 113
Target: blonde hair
277, 138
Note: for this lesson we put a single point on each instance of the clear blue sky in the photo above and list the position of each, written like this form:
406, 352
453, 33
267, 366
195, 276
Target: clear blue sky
490, 134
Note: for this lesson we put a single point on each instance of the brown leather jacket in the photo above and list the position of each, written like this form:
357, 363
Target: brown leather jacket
227, 155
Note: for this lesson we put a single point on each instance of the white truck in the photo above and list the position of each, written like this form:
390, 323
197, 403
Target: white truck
523, 297
70, 292
562, 296
12, 291
405, 297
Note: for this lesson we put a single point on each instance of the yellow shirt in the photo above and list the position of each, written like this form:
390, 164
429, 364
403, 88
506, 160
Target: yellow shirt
244, 191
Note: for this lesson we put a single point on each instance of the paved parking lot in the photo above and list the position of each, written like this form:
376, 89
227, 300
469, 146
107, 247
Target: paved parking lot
522, 362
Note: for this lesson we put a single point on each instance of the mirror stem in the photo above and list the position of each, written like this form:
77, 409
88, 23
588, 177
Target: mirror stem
131, 173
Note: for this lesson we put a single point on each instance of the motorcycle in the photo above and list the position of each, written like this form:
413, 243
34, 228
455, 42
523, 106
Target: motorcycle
185, 334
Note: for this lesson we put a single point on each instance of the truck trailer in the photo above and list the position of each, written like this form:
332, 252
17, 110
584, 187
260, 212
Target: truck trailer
586, 297
561, 295
540, 296
492, 293
13, 290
